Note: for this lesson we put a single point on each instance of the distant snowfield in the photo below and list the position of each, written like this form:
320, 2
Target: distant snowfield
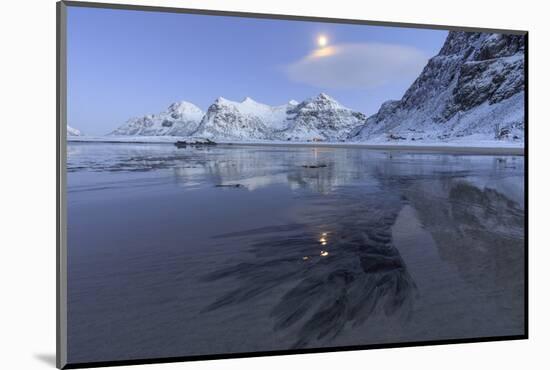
475, 144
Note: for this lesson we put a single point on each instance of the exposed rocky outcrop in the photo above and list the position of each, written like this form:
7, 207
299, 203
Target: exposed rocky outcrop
473, 90
322, 118
245, 120
474, 87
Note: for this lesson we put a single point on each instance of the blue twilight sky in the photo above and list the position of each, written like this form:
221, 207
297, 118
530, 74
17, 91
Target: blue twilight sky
124, 63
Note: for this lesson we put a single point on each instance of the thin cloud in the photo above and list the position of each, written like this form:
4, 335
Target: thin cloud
358, 65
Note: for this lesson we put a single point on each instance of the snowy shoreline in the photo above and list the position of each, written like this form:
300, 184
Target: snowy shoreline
451, 147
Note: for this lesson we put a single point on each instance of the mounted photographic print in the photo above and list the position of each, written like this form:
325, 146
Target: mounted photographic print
235, 184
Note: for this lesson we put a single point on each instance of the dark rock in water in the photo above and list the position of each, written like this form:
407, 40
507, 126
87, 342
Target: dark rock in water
230, 186
183, 144
314, 166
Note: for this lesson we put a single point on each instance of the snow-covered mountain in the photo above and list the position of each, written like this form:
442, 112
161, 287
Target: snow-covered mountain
318, 118
322, 118
71, 131
226, 119
180, 119
472, 89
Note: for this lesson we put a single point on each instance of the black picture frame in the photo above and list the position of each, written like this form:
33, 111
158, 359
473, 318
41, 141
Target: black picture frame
61, 173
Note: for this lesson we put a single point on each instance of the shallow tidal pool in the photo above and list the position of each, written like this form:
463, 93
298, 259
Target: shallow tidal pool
227, 249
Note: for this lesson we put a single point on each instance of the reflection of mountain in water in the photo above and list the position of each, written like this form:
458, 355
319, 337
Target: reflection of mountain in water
335, 274
256, 168
476, 228
333, 265
480, 231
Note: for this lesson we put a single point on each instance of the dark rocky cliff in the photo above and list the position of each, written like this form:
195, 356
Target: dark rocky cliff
474, 87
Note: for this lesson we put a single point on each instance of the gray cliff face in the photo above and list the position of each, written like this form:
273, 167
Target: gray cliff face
473, 86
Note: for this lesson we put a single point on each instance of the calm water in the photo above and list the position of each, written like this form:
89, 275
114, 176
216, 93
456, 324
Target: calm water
374, 247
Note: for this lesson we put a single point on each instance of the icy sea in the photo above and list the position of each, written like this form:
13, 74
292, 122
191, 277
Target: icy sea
227, 249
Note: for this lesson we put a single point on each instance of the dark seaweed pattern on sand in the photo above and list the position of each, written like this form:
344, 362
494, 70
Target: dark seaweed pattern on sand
363, 273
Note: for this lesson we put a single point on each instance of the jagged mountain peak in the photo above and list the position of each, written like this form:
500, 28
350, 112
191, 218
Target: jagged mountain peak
248, 99
221, 100
179, 119
474, 87
228, 119
321, 101
323, 96
245, 106
457, 42
320, 117
183, 106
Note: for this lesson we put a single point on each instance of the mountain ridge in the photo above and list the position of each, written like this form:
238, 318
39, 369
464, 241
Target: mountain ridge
179, 119
472, 89
319, 118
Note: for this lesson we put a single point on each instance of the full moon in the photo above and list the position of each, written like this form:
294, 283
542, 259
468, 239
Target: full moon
322, 41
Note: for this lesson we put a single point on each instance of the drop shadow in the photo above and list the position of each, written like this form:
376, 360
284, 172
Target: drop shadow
47, 358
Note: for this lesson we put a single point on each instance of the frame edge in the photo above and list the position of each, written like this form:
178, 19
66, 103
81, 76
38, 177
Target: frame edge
288, 17
61, 219
61, 214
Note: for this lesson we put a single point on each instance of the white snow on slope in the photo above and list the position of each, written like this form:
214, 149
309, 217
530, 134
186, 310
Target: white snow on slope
473, 89
71, 131
179, 119
319, 118
248, 119
471, 93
